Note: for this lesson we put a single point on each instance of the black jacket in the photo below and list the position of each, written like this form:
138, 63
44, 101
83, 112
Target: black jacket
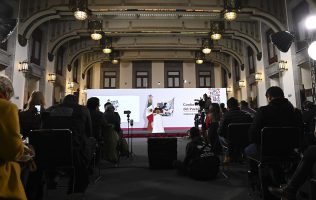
233, 116
278, 113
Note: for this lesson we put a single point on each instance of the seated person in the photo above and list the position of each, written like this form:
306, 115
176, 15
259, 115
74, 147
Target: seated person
278, 113
302, 173
80, 125
233, 115
191, 150
244, 106
158, 122
113, 117
199, 161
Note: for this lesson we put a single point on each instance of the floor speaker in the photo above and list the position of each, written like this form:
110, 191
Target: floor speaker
162, 152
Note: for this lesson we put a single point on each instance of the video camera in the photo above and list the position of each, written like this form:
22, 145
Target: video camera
127, 112
199, 102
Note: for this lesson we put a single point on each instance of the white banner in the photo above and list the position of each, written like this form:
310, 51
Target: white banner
178, 104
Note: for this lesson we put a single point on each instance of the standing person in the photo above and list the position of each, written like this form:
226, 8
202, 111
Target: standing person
11, 145
158, 122
112, 117
30, 118
212, 136
244, 106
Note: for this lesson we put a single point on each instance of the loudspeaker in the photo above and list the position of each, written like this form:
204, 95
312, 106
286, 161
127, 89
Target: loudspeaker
162, 152
282, 40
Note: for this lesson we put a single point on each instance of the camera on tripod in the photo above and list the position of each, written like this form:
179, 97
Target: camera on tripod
127, 112
199, 102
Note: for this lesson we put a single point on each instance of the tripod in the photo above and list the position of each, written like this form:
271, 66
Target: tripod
130, 137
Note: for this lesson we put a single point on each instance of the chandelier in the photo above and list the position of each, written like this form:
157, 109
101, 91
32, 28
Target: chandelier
217, 28
95, 27
115, 57
199, 57
106, 45
231, 7
79, 8
207, 45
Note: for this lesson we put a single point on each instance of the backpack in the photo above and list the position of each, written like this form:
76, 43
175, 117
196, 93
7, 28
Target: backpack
206, 165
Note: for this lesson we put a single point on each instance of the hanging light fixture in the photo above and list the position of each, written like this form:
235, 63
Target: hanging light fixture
199, 57
80, 9
207, 45
231, 7
217, 28
96, 27
106, 45
115, 57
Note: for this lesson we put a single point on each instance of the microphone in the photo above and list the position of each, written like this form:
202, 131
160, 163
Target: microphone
131, 122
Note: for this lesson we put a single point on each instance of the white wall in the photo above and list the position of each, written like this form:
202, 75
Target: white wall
158, 74
189, 75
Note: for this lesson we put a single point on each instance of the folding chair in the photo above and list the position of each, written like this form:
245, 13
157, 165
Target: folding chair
54, 149
276, 156
238, 139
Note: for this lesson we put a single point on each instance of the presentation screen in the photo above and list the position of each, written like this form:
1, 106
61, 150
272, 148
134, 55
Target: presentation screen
178, 104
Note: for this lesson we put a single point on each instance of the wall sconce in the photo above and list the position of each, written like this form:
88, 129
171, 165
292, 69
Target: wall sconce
52, 78
199, 57
106, 44
258, 76
84, 90
24, 67
217, 28
207, 46
231, 7
241, 84
79, 8
96, 27
283, 65
71, 85
229, 89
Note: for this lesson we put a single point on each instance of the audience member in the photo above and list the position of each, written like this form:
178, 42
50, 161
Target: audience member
304, 171
244, 106
11, 146
112, 117
212, 124
223, 109
278, 113
97, 117
30, 118
80, 125
309, 120
191, 152
233, 115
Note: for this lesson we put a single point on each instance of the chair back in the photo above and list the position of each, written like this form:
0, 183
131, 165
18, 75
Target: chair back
279, 141
238, 134
53, 148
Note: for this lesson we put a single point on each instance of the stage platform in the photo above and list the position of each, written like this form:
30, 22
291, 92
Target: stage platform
144, 133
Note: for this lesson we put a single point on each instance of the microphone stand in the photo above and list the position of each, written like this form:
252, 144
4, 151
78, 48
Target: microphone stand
128, 130
131, 153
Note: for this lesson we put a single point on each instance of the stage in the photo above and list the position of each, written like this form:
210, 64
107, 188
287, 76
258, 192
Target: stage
144, 133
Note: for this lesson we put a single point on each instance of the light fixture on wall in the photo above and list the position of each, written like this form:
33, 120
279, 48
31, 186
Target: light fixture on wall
241, 84
71, 85
231, 7
115, 57
80, 9
283, 65
229, 89
199, 57
217, 28
258, 76
52, 78
23, 66
106, 45
95, 27
84, 90
207, 45
312, 50
310, 22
